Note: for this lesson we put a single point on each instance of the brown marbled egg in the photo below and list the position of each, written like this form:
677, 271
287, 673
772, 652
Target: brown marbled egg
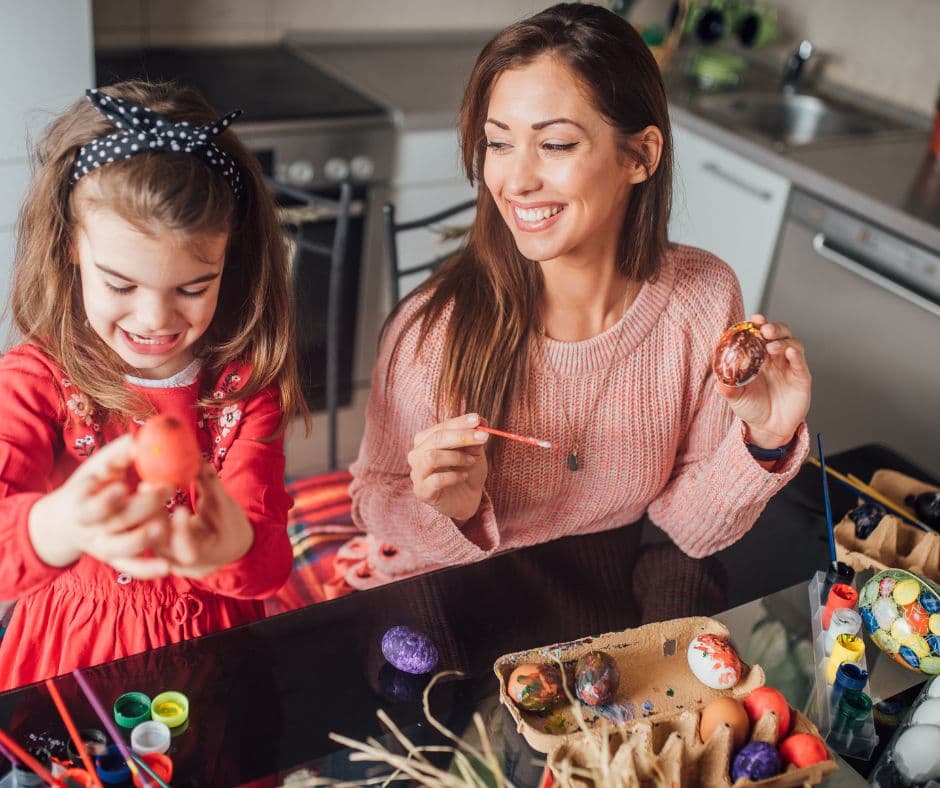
739, 354
536, 687
596, 678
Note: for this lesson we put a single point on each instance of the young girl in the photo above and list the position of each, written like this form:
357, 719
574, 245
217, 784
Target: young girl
569, 317
150, 276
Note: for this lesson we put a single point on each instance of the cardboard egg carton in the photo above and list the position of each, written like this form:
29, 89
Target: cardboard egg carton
894, 544
655, 680
671, 753
649, 734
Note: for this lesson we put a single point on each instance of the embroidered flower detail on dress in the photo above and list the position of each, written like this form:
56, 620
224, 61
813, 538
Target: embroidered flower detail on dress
85, 446
79, 405
229, 418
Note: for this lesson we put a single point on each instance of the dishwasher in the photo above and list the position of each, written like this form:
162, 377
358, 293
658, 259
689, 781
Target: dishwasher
866, 303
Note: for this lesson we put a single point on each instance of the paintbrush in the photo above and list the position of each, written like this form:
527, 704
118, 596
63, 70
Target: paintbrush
73, 731
521, 438
871, 494
109, 726
28, 760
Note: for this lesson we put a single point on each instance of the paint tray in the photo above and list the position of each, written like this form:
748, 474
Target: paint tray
894, 544
652, 725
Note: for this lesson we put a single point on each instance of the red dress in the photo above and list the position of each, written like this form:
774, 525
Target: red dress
88, 613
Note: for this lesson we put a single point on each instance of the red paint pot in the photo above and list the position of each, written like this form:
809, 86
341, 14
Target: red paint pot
840, 595
159, 764
76, 777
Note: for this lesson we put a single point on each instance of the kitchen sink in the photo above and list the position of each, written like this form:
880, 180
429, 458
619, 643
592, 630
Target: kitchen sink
795, 118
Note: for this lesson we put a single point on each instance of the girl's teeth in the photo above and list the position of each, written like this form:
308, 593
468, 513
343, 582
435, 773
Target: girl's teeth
536, 214
151, 340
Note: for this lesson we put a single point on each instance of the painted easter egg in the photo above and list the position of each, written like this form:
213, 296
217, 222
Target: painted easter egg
739, 354
917, 753
866, 517
803, 749
714, 661
166, 452
764, 699
896, 608
409, 650
756, 761
536, 687
596, 678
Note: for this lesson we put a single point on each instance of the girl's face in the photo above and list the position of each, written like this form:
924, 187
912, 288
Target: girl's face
150, 298
553, 165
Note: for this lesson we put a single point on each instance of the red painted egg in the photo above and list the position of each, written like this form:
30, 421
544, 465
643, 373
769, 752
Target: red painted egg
739, 354
765, 699
803, 749
916, 615
167, 452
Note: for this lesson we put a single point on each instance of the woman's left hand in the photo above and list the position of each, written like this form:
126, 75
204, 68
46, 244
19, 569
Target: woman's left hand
775, 403
217, 534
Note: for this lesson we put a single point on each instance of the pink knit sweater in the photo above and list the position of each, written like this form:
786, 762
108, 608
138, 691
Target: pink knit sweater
660, 440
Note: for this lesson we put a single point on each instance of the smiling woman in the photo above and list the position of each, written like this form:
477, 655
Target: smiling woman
569, 316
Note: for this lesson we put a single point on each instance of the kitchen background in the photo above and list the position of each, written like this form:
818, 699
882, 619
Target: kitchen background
411, 57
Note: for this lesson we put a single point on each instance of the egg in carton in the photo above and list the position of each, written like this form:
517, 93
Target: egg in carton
892, 543
655, 680
670, 753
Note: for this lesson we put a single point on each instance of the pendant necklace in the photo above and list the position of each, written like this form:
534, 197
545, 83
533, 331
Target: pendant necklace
574, 461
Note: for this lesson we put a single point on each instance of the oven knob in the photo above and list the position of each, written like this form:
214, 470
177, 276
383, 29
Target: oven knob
336, 169
362, 167
300, 172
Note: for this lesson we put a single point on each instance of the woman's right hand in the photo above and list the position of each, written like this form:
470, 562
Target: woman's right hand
448, 467
95, 512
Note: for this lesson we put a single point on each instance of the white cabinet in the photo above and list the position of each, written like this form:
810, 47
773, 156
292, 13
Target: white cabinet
46, 63
728, 205
428, 178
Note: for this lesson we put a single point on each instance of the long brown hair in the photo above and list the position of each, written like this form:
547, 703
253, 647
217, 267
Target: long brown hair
156, 192
494, 290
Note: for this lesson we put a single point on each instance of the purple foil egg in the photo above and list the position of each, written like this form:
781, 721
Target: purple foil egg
756, 761
409, 650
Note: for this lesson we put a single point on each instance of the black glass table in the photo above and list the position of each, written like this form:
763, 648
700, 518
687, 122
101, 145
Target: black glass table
264, 697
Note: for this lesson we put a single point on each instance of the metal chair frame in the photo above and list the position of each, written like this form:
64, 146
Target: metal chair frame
393, 228
315, 207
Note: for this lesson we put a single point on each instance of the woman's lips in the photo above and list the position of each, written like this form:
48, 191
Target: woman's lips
157, 345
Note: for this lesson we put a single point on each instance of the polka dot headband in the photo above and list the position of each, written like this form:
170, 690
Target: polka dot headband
142, 130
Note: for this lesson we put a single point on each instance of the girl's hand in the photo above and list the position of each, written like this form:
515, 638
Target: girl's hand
217, 534
448, 466
95, 512
774, 404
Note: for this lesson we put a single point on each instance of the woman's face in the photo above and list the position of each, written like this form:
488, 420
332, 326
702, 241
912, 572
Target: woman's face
149, 297
554, 167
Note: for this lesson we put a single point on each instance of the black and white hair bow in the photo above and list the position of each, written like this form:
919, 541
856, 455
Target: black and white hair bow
141, 130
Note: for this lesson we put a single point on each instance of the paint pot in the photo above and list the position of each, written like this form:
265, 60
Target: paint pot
111, 767
76, 778
94, 740
150, 736
160, 764
23, 777
131, 709
171, 708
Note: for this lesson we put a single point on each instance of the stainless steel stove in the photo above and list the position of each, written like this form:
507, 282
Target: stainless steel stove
310, 131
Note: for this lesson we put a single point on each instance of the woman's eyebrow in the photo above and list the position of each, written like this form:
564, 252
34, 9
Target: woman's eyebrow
540, 125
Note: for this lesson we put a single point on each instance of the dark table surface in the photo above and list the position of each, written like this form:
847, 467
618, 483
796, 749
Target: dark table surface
264, 697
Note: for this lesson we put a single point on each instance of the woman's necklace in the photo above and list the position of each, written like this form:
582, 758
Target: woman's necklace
573, 461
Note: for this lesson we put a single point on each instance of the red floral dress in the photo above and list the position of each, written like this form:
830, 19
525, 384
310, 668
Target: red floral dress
89, 613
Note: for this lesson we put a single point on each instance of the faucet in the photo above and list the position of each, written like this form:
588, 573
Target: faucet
794, 66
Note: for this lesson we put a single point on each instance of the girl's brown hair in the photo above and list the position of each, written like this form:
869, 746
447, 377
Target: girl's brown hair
494, 290
156, 192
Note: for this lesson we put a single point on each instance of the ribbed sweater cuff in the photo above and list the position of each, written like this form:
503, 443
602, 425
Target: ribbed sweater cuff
735, 476
447, 543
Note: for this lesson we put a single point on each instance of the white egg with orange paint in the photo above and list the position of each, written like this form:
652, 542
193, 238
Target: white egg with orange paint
714, 662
